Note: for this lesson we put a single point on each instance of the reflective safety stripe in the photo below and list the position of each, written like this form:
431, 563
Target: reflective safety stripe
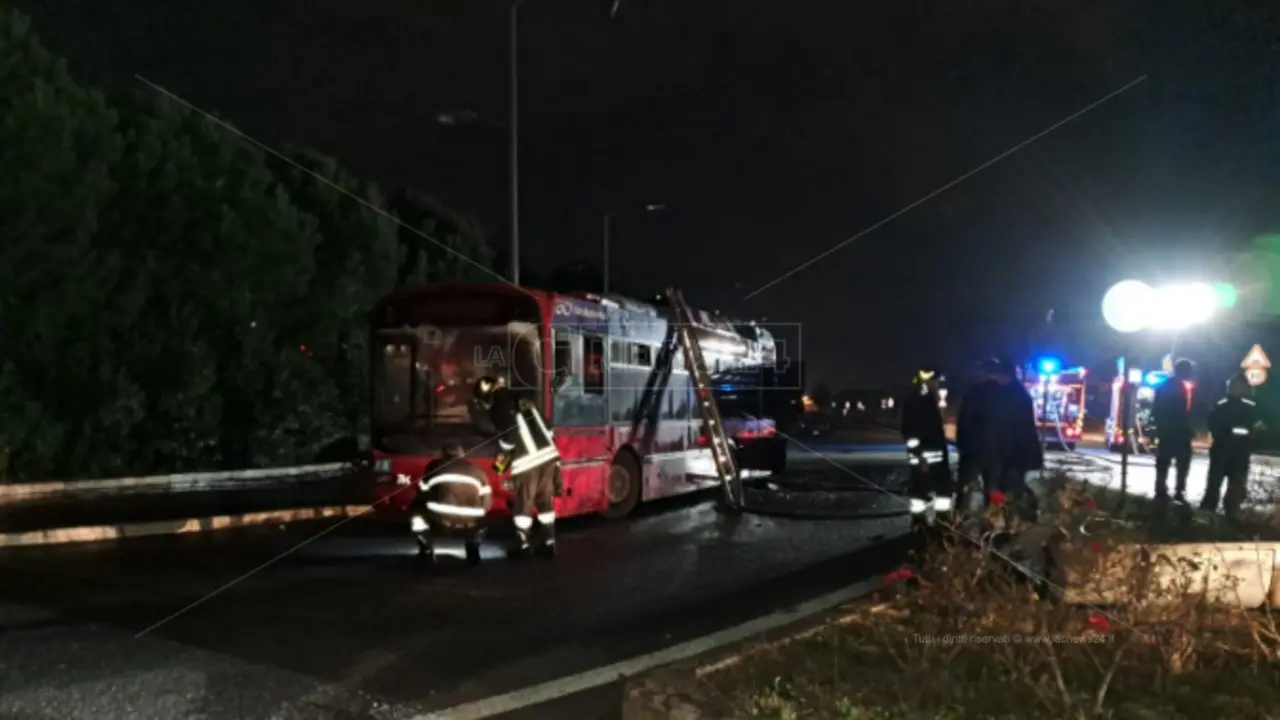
913, 443
933, 456
524, 522
486, 490
418, 524
1247, 401
919, 506
547, 518
443, 478
506, 445
456, 510
1239, 431
1222, 401
528, 462
942, 504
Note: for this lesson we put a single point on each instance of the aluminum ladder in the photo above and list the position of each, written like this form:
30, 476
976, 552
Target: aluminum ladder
712, 427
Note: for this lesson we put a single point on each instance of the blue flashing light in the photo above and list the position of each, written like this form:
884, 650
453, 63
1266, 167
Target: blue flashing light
727, 388
1050, 366
1155, 378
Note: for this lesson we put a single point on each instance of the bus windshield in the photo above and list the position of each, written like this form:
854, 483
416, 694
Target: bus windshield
427, 359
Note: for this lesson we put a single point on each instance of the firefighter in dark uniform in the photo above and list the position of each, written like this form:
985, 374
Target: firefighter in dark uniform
529, 453
1171, 411
931, 491
456, 497
1232, 423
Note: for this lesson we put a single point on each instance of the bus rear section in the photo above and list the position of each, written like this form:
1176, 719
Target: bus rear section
428, 349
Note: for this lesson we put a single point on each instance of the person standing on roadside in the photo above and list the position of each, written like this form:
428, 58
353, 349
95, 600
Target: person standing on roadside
1171, 411
922, 429
997, 437
1232, 423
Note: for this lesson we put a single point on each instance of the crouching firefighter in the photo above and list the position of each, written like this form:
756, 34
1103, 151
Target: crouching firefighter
529, 453
930, 486
456, 497
1232, 423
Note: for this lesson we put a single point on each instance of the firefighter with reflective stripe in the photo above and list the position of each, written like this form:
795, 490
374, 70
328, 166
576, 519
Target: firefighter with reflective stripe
931, 487
529, 453
456, 496
1232, 423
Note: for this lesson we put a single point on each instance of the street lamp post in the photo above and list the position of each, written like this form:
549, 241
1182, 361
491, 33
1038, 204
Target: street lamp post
513, 102
608, 233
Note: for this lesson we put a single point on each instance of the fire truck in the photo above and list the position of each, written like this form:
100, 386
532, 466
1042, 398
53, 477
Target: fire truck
600, 368
1144, 426
1059, 397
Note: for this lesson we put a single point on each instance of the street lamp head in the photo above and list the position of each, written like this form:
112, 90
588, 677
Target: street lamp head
1176, 307
456, 117
1127, 306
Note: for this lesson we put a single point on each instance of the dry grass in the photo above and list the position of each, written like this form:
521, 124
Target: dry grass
964, 636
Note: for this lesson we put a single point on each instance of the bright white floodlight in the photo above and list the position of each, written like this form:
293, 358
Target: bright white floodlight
1181, 306
1127, 306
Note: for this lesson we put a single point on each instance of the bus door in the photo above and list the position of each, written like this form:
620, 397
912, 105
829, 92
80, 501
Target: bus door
579, 415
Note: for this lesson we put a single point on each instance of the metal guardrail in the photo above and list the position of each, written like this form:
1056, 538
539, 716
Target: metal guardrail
178, 483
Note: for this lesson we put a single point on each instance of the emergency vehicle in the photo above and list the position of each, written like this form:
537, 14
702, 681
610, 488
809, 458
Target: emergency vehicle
601, 369
1145, 434
1059, 397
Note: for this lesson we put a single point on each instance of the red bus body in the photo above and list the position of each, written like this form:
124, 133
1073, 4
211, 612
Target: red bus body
611, 411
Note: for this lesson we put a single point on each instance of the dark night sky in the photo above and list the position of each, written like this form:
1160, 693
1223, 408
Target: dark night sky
774, 131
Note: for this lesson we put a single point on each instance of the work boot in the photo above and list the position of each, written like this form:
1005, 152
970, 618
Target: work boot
520, 545
472, 546
547, 541
426, 551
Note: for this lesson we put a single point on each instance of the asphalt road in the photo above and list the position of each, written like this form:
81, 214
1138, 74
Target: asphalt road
1103, 467
341, 625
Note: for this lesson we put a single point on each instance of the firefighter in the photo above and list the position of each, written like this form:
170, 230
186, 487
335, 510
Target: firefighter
997, 437
922, 429
529, 453
456, 497
1232, 423
1171, 411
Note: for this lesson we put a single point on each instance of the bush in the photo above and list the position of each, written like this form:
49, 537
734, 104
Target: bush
173, 301
965, 636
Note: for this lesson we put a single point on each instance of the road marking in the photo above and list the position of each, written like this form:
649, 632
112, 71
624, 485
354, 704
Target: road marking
573, 684
175, 526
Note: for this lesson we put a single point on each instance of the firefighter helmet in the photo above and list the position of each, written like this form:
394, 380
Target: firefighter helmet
484, 387
924, 374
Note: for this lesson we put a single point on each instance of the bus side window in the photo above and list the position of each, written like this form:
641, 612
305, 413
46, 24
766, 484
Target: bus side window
593, 365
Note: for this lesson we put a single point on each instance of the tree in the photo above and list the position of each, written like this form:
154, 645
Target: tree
438, 243
357, 260
174, 302
58, 143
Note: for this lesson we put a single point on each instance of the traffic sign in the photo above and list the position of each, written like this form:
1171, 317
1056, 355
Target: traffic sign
1255, 376
1256, 359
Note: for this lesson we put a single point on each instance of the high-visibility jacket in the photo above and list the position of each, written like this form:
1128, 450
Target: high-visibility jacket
525, 438
455, 489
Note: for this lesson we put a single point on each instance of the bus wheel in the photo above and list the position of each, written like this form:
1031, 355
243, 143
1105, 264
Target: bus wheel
623, 489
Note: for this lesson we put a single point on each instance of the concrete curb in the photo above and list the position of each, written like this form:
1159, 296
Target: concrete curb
676, 690
177, 526
186, 482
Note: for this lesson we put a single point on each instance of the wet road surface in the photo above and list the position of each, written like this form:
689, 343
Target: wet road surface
342, 625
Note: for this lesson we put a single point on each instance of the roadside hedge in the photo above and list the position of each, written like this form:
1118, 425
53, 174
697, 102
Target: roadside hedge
175, 299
